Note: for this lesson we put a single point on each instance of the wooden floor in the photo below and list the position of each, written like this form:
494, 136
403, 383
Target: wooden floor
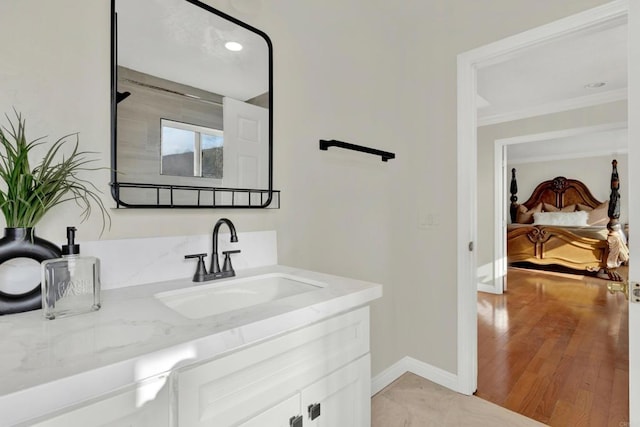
555, 348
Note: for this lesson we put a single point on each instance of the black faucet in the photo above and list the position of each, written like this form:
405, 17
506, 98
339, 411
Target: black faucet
215, 272
215, 266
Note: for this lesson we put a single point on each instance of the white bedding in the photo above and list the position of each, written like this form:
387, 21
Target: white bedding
569, 219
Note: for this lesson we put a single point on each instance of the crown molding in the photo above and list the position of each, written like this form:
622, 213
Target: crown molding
584, 155
554, 107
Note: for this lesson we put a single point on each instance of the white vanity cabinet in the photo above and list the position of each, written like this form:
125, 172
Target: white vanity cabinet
140, 362
325, 366
314, 376
343, 397
141, 405
339, 399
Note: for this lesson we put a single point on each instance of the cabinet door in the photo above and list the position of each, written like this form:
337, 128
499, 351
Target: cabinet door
277, 416
343, 397
233, 389
145, 404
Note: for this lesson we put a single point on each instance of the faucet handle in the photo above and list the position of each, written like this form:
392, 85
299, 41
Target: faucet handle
201, 270
227, 260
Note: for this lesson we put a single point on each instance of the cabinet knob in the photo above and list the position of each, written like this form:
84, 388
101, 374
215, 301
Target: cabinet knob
314, 411
295, 421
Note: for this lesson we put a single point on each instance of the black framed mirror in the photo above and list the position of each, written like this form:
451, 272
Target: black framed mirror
191, 108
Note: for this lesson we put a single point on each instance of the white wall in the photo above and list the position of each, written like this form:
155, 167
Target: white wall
383, 74
370, 72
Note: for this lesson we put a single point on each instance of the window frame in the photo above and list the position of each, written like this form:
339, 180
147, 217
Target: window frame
197, 144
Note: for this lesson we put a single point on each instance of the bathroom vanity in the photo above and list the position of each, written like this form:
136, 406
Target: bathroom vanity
286, 347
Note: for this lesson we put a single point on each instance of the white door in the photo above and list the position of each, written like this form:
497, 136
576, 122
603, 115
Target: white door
502, 182
246, 145
634, 208
500, 272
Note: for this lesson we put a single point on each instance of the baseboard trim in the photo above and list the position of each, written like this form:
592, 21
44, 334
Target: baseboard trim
483, 287
388, 376
409, 364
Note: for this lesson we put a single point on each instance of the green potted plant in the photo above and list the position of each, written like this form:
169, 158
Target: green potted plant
27, 194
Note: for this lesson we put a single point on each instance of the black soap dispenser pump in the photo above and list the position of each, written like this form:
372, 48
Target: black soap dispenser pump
71, 284
71, 248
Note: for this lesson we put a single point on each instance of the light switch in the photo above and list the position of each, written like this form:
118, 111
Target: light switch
427, 220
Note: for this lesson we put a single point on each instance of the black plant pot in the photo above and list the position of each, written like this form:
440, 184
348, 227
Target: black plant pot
23, 243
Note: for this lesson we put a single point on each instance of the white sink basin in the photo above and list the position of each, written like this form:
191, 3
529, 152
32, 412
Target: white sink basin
216, 298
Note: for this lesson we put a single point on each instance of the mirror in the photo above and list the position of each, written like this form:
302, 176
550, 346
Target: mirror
191, 107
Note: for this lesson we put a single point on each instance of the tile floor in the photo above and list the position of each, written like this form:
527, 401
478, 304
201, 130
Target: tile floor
412, 401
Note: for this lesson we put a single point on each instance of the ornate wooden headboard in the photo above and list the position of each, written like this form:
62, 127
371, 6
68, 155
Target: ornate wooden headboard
561, 192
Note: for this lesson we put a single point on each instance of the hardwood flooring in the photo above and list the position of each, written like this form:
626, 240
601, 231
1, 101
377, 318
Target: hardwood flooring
555, 348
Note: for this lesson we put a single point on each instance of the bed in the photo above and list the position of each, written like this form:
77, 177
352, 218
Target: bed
563, 224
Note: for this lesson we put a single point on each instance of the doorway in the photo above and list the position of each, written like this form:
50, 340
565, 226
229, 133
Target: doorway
529, 336
542, 156
468, 64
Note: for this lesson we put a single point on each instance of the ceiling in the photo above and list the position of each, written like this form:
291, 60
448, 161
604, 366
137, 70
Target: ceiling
553, 77
180, 42
604, 141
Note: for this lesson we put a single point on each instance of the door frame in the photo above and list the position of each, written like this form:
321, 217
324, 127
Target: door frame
468, 63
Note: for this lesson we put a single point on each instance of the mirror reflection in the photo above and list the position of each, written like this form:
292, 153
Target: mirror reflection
192, 107
188, 150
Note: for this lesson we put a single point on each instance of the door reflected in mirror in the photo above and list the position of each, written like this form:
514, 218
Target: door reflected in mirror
192, 115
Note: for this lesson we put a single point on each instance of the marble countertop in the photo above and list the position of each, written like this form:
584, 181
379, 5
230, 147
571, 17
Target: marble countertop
134, 336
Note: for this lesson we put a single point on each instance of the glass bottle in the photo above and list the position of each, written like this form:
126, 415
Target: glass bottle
71, 284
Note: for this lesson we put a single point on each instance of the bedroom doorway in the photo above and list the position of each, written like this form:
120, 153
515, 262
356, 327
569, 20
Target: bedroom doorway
468, 220
536, 341
555, 153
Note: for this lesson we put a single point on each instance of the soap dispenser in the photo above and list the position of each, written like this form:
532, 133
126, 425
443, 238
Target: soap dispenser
71, 284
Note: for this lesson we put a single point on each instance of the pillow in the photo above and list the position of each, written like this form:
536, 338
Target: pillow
548, 207
524, 216
599, 215
581, 207
571, 219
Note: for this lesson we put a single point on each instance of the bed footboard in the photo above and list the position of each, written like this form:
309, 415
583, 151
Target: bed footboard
544, 245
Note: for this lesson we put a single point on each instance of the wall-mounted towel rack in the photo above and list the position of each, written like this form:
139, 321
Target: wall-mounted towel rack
325, 144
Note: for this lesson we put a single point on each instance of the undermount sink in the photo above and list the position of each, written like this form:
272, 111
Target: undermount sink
215, 298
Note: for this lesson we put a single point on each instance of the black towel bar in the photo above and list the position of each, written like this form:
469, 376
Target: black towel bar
324, 144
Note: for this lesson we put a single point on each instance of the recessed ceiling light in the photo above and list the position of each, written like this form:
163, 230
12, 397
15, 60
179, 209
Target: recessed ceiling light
233, 46
595, 85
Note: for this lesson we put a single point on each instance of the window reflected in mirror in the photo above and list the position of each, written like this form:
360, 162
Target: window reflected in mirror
191, 151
